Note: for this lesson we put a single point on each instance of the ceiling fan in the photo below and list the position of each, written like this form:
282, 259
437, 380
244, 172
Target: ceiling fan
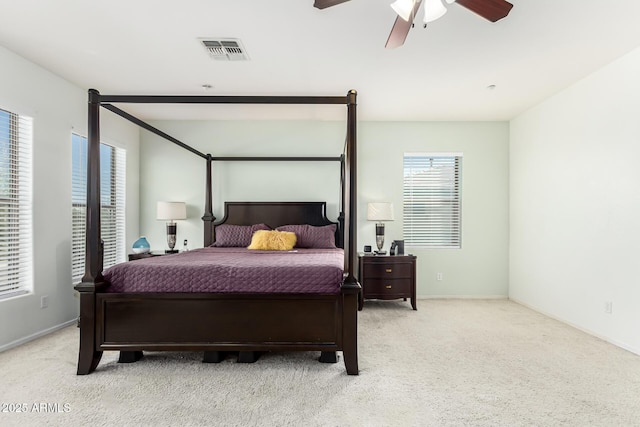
492, 10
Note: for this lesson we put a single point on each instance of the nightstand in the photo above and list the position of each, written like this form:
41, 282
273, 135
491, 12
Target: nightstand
387, 277
133, 257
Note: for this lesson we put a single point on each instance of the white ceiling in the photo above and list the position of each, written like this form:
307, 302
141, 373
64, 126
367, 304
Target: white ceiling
441, 73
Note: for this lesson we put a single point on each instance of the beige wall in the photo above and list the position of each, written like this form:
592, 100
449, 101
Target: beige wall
479, 269
58, 109
575, 204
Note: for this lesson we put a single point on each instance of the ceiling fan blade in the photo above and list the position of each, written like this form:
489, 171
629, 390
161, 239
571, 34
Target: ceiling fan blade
493, 10
322, 4
401, 28
398, 33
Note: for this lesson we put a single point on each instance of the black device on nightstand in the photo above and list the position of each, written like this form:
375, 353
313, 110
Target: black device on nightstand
397, 247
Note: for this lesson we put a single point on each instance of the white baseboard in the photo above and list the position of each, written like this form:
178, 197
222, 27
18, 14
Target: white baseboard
37, 335
462, 297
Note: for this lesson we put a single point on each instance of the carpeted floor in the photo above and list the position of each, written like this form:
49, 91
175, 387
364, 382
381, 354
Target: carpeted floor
451, 363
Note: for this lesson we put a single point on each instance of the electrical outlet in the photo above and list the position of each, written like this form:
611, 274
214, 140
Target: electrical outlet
608, 307
44, 301
439, 276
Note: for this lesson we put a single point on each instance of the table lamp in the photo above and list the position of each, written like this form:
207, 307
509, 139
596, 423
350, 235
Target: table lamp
379, 212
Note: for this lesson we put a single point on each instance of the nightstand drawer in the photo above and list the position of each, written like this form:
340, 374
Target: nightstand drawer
381, 288
388, 270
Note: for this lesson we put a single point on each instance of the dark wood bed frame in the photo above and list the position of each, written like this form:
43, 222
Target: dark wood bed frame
212, 322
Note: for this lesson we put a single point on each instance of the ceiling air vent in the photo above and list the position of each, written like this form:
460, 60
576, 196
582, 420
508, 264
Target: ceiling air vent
225, 49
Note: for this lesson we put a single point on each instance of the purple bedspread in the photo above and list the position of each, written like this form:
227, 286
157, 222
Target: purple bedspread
232, 270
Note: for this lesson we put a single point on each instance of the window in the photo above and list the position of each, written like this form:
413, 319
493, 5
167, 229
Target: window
432, 205
112, 201
16, 139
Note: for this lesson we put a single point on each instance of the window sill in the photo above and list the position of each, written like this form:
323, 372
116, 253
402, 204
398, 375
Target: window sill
13, 294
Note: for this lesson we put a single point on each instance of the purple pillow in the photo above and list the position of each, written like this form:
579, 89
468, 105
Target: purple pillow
309, 236
228, 235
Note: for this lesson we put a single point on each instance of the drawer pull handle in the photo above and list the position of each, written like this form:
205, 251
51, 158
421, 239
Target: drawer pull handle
389, 270
388, 286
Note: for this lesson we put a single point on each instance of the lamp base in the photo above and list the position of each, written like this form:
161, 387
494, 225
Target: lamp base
380, 252
380, 238
172, 227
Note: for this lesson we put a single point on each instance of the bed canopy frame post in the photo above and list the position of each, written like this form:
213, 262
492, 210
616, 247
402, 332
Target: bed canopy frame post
342, 197
350, 287
88, 357
93, 242
208, 218
350, 184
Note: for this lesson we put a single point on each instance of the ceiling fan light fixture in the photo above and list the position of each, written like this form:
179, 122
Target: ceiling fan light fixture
433, 9
404, 8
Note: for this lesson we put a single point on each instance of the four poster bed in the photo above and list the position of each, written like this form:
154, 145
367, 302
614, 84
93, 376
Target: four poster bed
167, 304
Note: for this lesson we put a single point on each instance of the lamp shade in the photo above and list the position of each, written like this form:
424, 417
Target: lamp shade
404, 8
433, 9
171, 211
380, 211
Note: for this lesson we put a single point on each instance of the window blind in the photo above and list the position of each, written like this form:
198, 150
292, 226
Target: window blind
112, 204
16, 230
432, 200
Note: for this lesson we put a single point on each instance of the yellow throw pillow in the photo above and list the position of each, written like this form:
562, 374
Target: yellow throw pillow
272, 240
